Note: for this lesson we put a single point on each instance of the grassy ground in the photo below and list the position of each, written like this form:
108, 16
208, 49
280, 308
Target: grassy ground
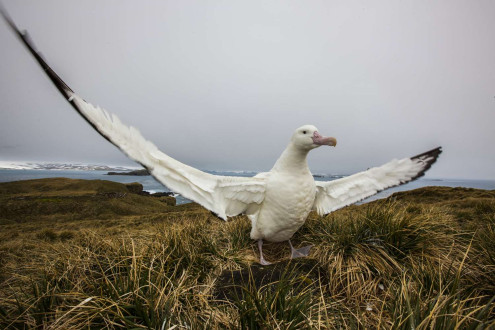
80, 254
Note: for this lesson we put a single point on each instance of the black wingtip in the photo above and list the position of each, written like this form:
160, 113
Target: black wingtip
7, 17
63, 88
26, 40
431, 153
429, 158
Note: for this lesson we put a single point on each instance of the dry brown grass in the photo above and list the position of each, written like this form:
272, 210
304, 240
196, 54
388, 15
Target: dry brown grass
77, 255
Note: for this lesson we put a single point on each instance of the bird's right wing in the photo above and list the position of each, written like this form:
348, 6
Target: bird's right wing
333, 195
223, 195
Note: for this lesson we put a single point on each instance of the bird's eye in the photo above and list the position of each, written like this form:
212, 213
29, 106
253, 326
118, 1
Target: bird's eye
304, 132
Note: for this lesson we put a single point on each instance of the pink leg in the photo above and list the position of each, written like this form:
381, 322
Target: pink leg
262, 260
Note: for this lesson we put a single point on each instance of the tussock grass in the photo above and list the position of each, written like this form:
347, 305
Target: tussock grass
421, 259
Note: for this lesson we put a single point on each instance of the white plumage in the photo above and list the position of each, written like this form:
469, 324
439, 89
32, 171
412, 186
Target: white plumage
277, 202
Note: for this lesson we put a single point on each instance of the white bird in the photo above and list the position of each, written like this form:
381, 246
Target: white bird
277, 202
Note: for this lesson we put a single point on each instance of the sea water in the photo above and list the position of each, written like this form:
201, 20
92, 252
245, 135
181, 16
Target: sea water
152, 186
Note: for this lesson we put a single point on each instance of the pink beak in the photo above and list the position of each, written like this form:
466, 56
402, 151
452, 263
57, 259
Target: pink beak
324, 140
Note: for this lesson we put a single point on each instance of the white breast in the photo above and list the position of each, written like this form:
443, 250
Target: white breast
289, 198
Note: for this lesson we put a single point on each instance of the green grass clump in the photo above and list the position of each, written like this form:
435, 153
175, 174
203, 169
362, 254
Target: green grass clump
47, 235
421, 259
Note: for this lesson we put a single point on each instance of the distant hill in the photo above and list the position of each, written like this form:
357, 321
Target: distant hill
142, 172
60, 198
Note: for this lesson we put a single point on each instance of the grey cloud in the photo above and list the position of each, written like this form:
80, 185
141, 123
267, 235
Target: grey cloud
222, 85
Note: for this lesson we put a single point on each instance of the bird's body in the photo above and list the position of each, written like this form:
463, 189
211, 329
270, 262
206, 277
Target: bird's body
289, 197
277, 202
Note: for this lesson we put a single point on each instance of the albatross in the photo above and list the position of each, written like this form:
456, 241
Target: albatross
277, 202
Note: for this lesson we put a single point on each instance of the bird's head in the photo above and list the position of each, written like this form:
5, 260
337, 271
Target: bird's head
307, 137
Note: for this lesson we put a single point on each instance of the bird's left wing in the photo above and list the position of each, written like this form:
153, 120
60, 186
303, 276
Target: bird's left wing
333, 195
223, 195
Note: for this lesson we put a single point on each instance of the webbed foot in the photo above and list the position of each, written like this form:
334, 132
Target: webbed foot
264, 262
299, 253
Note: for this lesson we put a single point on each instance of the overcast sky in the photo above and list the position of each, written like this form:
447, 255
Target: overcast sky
222, 84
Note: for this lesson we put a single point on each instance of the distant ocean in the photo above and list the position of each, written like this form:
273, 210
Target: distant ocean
151, 185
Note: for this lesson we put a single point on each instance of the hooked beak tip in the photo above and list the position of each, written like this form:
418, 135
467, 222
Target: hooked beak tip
324, 140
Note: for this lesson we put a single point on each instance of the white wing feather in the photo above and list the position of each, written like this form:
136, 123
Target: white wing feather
224, 195
333, 195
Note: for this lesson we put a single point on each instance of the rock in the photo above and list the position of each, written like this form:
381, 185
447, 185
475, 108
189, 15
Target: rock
135, 188
162, 194
169, 200
165, 196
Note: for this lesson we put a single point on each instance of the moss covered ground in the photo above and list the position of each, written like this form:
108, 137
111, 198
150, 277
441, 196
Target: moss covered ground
97, 254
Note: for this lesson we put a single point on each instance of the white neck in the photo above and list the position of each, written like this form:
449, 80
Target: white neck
292, 160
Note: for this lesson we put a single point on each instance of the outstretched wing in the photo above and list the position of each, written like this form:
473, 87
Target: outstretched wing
223, 195
333, 195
